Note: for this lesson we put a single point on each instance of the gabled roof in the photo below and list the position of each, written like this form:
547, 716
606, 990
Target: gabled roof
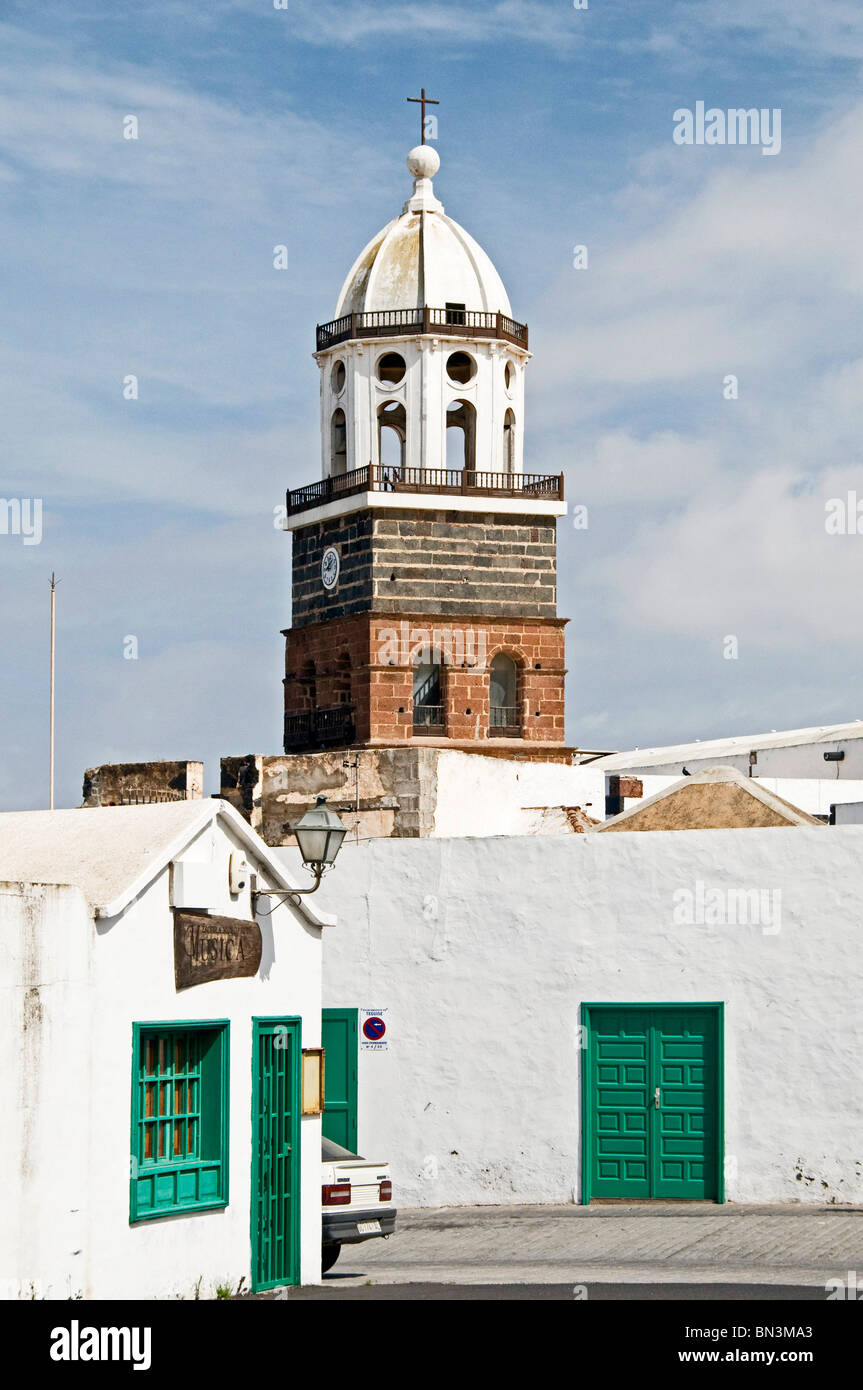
112, 853
728, 747
718, 798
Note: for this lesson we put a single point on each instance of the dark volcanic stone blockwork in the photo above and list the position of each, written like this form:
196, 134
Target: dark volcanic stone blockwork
441, 562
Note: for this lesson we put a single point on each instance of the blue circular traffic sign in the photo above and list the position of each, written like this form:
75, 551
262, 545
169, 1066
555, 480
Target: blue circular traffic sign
374, 1029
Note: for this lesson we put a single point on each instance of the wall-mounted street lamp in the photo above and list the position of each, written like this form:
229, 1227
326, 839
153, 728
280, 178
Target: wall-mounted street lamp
319, 835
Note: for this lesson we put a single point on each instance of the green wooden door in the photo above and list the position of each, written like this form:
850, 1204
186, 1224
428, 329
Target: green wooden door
619, 1079
652, 1102
275, 1152
685, 1123
339, 1037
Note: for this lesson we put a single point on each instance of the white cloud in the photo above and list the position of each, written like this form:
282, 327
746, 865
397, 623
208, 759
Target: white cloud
755, 561
707, 517
747, 271
65, 119
498, 21
617, 467
830, 28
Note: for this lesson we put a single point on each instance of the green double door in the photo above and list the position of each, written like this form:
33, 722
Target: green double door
652, 1102
275, 1152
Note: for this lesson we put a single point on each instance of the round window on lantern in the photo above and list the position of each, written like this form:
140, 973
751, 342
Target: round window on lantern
509, 376
338, 376
460, 367
391, 368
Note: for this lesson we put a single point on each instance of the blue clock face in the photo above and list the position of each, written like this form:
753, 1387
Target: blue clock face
330, 565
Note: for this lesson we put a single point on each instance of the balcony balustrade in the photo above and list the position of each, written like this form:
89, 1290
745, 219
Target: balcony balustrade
399, 323
459, 482
504, 719
319, 728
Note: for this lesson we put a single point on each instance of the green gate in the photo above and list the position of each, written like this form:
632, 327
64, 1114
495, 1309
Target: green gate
652, 1102
275, 1152
339, 1033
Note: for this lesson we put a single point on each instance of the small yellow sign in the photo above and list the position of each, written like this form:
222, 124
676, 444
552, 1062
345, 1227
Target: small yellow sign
313, 1080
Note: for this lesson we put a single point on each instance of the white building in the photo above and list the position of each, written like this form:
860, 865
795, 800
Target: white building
814, 768
108, 918
671, 1014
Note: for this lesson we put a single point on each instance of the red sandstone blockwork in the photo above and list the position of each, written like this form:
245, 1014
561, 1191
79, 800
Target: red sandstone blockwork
367, 661
625, 786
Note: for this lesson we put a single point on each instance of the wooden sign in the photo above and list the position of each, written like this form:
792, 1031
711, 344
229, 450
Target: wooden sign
213, 948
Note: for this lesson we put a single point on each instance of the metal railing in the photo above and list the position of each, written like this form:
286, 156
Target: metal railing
503, 717
464, 482
313, 728
396, 323
428, 716
144, 796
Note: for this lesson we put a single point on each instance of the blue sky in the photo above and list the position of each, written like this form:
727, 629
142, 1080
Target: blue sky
260, 127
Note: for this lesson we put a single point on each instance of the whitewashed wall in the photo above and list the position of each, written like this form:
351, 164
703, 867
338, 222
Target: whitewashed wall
483, 950
501, 794
64, 1157
45, 1018
425, 391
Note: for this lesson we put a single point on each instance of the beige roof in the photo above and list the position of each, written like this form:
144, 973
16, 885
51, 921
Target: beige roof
113, 852
719, 798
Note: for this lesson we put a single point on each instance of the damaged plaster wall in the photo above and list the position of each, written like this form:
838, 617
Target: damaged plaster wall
390, 791
412, 792
124, 784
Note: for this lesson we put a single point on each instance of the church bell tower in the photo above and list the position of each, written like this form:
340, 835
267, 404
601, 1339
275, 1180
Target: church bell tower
424, 557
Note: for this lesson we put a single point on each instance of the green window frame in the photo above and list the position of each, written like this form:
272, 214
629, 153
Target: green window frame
180, 1109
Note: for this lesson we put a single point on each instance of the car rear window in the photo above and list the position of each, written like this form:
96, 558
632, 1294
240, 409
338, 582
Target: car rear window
331, 1151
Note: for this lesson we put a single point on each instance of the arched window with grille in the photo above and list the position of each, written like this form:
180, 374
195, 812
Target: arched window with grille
509, 442
503, 697
339, 444
428, 697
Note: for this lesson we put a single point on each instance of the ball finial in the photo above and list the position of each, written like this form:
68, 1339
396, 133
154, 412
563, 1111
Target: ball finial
423, 162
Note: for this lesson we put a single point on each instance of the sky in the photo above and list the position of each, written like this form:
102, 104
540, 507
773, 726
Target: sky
707, 502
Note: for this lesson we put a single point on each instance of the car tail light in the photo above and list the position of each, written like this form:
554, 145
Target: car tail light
336, 1194
386, 1191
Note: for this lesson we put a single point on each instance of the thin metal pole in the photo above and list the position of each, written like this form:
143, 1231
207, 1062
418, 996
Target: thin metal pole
51, 714
357, 784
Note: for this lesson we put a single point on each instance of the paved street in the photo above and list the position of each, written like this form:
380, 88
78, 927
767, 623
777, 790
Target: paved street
553, 1293
649, 1244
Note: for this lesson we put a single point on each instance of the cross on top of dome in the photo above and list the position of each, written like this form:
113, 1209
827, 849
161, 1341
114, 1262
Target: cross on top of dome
424, 102
422, 259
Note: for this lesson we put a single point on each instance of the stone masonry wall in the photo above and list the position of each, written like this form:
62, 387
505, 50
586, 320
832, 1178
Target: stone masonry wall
457, 564
126, 784
368, 661
392, 791
440, 562
352, 537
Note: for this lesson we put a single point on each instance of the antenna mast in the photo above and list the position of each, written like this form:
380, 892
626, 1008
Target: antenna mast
51, 704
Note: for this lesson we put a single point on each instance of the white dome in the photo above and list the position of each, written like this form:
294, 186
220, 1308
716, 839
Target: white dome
422, 258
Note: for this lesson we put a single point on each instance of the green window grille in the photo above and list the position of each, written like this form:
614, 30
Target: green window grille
179, 1118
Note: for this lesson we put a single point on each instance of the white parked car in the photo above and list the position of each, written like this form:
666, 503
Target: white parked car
357, 1197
